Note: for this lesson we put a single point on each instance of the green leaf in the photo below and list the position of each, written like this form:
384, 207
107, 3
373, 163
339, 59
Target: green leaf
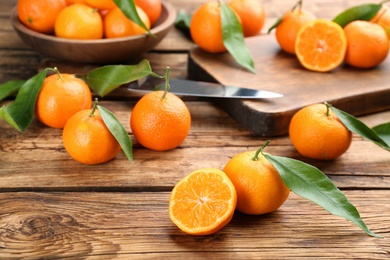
10, 88
359, 12
358, 127
383, 131
105, 79
277, 22
118, 131
310, 183
130, 11
20, 112
183, 22
233, 38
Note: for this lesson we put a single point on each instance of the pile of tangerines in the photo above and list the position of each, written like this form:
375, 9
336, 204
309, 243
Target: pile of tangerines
319, 44
86, 19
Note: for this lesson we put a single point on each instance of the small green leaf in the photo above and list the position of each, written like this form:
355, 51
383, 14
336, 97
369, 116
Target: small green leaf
130, 11
383, 131
358, 127
233, 38
118, 131
183, 22
309, 182
10, 87
105, 79
20, 112
359, 12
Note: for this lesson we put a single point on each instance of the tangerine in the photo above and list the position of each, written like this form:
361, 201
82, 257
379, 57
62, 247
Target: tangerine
116, 24
160, 121
259, 187
87, 139
152, 8
321, 45
79, 21
286, 31
317, 133
368, 44
61, 96
39, 15
101, 4
206, 28
252, 15
203, 202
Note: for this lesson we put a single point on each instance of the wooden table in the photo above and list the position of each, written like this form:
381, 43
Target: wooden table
54, 207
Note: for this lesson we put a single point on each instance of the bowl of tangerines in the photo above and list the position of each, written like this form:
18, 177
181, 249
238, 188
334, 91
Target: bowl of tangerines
92, 31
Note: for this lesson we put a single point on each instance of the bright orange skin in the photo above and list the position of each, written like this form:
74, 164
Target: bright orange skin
101, 4
79, 21
152, 8
259, 187
287, 30
160, 124
318, 136
321, 45
60, 98
368, 44
206, 28
203, 202
116, 24
70, 2
88, 140
252, 15
39, 15
383, 18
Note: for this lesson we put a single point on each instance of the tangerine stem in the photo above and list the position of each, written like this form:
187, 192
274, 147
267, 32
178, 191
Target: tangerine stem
92, 114
167, 86
328, 106
298, 4
256, 156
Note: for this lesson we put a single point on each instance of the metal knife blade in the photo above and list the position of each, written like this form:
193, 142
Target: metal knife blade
199, 89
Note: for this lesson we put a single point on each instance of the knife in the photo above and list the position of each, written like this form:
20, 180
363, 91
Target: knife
198, 89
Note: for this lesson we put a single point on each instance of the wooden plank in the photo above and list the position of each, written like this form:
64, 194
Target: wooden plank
126, 225
214, 138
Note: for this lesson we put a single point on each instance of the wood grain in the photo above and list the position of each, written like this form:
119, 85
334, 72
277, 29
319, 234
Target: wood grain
126, 225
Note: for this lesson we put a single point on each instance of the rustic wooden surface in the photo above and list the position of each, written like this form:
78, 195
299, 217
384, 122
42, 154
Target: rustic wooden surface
53, 207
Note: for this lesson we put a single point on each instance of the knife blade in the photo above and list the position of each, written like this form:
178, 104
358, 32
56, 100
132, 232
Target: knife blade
199, 89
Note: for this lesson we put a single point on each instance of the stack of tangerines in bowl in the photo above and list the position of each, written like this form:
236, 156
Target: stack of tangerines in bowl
91, 31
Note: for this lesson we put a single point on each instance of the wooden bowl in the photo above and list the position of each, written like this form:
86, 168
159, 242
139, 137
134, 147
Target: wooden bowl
102, 51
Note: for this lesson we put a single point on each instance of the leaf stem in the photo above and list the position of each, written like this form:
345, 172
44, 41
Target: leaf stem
167, 85
92, 114
256, 156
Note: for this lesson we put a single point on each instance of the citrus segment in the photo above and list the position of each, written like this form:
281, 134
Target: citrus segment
321, 45
203, 202
259, 187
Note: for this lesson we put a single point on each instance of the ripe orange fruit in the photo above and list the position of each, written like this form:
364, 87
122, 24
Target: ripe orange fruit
368, 44
317, 133
39, 15
70, 2
79, 21
116, 24
152, 8
321, 45
203, 202
259, 187
61, 96
160, 123
206, 28
383, 18
87, 139
287, 30
252, 15
101, 4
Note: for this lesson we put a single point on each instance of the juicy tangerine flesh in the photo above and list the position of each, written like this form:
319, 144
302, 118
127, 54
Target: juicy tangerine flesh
259, 187
318, 136
321, 45
203, 202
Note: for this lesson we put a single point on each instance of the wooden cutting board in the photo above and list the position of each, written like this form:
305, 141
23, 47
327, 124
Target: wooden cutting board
355, 91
